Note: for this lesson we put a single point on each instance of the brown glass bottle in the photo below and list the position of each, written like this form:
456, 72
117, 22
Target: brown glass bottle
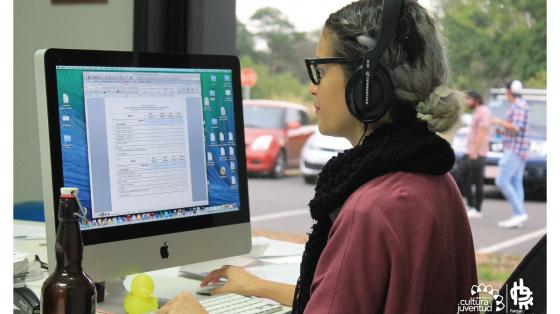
68, 290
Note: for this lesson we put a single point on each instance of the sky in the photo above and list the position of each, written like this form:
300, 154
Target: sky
306, 15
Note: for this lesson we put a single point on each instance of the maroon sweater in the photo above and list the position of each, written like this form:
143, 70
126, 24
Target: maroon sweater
401, 244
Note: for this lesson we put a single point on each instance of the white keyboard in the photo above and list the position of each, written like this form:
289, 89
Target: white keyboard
235, 303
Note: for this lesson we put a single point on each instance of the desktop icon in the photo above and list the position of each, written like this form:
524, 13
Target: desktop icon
228, 92
221, 137
212, 137
226, 78
164, 250
206, 101
223, 111
65, 118
222, 171
212, 93
65, 98
231, 151
68, 138
233, 181
209, 156
232, 165
213, 78
230, 136
222, 151
214, 121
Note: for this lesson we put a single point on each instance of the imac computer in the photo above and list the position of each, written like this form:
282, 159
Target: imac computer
155, 144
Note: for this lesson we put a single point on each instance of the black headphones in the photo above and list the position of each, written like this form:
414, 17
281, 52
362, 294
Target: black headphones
369, 90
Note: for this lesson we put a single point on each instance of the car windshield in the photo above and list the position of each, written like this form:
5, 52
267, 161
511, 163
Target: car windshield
537, 116
261, 117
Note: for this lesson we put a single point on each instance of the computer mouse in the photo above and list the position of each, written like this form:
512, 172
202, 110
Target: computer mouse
26, 300
206, 290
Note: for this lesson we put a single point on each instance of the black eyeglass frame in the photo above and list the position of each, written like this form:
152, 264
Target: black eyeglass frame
313, 62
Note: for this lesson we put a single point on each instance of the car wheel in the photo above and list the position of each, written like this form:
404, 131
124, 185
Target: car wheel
310, 179
279, 166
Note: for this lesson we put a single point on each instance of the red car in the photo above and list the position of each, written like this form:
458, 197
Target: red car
275, 132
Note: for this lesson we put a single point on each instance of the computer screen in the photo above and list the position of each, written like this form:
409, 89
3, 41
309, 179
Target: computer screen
147, 144
154, 142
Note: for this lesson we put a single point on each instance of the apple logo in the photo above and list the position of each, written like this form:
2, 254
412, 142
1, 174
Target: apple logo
163, 250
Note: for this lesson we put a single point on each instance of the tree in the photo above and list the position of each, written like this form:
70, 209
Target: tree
280, 67
284, 86
287, 48
495, 40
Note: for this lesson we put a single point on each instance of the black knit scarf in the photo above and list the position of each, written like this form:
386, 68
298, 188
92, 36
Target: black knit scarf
400, 146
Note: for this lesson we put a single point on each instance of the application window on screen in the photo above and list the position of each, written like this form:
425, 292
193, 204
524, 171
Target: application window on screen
146, 144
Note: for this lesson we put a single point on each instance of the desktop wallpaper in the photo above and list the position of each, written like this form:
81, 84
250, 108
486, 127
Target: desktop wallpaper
221, 149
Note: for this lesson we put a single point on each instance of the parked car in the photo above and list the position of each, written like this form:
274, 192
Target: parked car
535, 171
275, 132
317, 151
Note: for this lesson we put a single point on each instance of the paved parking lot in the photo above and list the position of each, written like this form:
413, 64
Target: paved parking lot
281, 206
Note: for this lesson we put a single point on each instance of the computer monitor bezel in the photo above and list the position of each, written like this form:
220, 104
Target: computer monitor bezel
46, 63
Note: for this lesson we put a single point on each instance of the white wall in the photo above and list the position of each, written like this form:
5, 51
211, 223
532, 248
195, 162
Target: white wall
40, 24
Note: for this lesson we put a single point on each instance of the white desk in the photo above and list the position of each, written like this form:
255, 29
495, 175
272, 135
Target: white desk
167, 282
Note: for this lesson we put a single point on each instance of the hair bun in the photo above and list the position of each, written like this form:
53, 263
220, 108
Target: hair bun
442, 109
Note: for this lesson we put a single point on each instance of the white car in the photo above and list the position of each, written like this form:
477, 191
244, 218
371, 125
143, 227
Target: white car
319, 149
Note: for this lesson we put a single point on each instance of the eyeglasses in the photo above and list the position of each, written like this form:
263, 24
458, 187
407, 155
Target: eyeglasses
314, 72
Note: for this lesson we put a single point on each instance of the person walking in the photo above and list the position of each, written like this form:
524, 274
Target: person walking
472, 165
516, 147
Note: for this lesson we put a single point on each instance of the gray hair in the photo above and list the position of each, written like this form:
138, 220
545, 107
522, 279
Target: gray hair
416, 58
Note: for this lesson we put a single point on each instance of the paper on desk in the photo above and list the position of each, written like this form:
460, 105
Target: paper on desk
21, 263
279, 248
33, 231
296, 259
284, 273
198, 270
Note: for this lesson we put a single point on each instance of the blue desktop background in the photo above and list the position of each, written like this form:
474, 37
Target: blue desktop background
73, 137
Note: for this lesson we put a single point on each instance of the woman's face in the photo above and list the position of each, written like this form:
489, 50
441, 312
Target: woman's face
330, 104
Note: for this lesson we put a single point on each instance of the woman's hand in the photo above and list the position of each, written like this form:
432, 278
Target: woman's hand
183, 303
239, 281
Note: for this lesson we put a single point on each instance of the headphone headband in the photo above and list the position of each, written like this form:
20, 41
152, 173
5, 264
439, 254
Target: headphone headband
389, 21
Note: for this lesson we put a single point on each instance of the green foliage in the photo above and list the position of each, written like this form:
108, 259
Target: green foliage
495, 40
281, 68
283, 86
287, 48
537, 81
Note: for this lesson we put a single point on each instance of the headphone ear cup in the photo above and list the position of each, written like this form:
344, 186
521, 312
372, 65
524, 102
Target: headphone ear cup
381, 95
354, 92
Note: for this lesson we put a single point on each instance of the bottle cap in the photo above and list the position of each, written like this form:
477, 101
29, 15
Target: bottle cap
69, 191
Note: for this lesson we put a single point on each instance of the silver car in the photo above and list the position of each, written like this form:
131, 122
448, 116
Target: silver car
318, 149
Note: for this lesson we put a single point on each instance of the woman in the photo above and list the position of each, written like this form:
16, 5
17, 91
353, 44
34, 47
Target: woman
391, 234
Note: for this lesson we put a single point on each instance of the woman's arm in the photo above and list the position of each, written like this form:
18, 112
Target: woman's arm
242, 282
279, 292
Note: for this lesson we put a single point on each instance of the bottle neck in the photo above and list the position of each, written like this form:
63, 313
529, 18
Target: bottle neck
69, 246
69, 249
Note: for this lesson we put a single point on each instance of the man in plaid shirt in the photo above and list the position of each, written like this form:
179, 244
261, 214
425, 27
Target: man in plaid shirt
516, 147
